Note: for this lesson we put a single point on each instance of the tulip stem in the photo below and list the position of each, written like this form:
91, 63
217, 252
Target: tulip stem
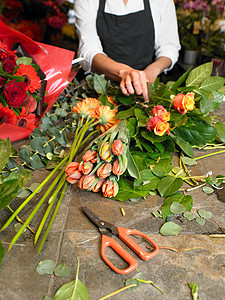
210, 154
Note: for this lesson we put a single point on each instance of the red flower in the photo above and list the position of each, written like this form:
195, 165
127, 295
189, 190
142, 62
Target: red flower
160, 111
9, 64
7, 115
183, 103
15, 93
31, 78
26, 120
90, 156
5, 52
110, 188
104, 170
2, 81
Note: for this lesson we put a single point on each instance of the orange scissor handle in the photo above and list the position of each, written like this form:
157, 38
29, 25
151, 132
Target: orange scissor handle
110, 242
124, 236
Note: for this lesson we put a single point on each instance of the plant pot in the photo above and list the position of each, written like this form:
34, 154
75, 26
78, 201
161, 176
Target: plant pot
190, 56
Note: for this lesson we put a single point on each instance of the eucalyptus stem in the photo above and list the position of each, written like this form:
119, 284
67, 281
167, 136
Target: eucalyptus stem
151, 282
118, 291
210, 154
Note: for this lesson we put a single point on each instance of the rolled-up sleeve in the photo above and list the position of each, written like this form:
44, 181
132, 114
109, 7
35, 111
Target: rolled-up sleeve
167, 41
89, 42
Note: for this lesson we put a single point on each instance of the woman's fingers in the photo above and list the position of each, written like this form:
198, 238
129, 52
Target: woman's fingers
134, 81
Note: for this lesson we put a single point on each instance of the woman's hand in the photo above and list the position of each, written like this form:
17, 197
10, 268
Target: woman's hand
134, 81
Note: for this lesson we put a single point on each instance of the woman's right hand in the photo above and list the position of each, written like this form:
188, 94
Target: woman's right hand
133, 81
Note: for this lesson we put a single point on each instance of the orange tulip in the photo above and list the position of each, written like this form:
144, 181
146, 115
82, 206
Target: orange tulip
182, 103
159, 126
117, 147
90, 156
73, 173
160, 111
116, 169
110, 188
98, 185
104, 170
105, 152
86, 182
71, 167
85, 167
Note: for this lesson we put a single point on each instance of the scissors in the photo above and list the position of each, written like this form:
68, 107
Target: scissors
107, 230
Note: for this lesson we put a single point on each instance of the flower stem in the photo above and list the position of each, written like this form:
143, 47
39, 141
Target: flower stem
149, 281
210, 154
118, 291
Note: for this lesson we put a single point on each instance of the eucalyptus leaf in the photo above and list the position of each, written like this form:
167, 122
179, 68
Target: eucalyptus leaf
170, 228
189, 216
62, 270
200, 221
204, 214
177, 208
208, 190
133, 280
36, 162
45, 267
24, 193
188, 161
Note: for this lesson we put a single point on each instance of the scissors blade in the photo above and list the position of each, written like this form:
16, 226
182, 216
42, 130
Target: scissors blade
98, 222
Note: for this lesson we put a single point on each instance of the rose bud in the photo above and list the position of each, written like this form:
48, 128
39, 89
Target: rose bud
98, 185
117, 169
158, 125
86, 182
2, 81
71, 168
117, 147
85, 167
160, 111
9, 64
110, 188
90, 156
182, 103
15, 93
105, 152
104, 170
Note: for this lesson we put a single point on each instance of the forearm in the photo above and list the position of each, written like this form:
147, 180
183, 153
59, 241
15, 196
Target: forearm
102, 64
153, 70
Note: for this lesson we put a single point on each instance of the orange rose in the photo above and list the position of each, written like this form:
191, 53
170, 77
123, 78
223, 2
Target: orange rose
160, 111
159, 126
183, 103
110, 188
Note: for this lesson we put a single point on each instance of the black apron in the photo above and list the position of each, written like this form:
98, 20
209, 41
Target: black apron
127, 39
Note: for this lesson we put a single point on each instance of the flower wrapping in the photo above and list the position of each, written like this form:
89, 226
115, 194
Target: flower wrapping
54, 62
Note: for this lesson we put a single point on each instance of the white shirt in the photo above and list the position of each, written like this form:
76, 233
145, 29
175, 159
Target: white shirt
164, 18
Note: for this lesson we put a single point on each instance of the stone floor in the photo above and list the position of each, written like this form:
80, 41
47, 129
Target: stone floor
73, 236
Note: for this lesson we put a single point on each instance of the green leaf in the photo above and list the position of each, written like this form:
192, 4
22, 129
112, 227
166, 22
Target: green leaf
141, 117
220, 127
185, 146
208, 190
66, 291
62, 270
205, 214
45, 267
125, 114
162, 168
131, 166
169, 185
2, 253
100, 84
131, 125
198, 74
212, 83
170, 228
186, 200
180, 80
189, 216
127, 191
177, 208
24, 193
5, 152
34, 186
210, 101
126, 100
133, 280
37, 143
150, 136
8, 192
188, 161
198, 134
200, 221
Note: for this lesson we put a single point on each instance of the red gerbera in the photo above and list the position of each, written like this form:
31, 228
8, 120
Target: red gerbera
7, 115
5, 52
31, 78
26, 121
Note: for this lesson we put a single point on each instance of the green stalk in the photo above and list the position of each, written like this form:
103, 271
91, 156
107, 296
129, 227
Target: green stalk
33, 194
52, 218
53, 197
75, 139
35, 210
210, 154
88, 137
